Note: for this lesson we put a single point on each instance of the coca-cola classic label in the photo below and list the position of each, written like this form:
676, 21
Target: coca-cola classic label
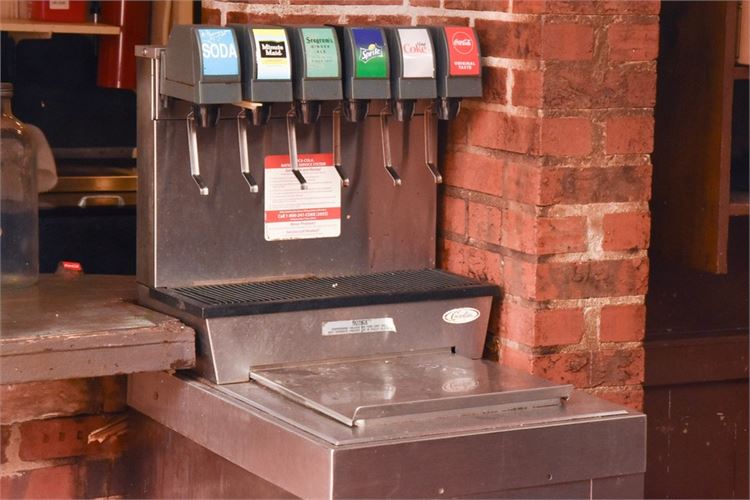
463, 51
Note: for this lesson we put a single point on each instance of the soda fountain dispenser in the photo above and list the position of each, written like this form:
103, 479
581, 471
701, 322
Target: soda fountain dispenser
333, 358
317, 79
412, 78
201, 67
266, 62
459, 68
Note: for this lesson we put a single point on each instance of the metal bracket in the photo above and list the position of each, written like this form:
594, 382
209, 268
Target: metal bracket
385, 138
291, 136
195, 169
428, 158
244, 152
336, 139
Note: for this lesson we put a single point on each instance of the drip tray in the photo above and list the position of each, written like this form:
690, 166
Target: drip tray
357, 391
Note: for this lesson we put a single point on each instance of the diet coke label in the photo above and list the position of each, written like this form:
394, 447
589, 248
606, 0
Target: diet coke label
416, 52
463, 51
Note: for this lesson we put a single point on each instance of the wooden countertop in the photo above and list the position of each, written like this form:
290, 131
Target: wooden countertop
86, 327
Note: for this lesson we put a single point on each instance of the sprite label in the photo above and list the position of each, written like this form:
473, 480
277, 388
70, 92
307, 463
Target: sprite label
371, 57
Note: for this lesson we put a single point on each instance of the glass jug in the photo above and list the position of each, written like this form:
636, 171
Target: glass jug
19, 215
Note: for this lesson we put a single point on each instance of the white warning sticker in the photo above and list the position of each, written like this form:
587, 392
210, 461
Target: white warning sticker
354, 326
295, 214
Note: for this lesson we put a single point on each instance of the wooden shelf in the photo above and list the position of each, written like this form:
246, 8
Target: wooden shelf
739, 203
46, 28
741, 72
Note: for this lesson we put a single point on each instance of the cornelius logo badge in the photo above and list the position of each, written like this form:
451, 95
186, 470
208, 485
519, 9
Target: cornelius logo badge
372, 51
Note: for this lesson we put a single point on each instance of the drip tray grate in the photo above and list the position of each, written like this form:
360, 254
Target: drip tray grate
264, 297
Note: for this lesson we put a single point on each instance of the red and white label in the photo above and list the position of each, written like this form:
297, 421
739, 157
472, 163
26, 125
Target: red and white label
295, 214
463, 51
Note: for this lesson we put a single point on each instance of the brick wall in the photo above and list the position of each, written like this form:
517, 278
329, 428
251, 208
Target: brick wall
45, 427
548, 176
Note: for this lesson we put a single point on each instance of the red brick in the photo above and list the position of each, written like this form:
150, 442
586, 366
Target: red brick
48, 482
628, 86
626, 231
474, 172
629, 134
618, 367
458, 128
633, 42
4, 442
504, 131
523, 181
494, 84
509, 39
283, 19
598, 185
345, 2
64, 437
378, 20
442, 21
564, 368
566, 136
32, 400
630, 395
424, 3
572, 6
527, 88
516, 359
529, 6
114, 393
570, 87
626, 323
567, 42
643, 7
485, 223
453, 215
530, 234
470, 261
575, 280
579, 280
543, 327
483, 5
210, 16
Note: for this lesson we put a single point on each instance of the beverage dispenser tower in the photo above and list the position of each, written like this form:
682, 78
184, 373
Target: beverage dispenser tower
334, 358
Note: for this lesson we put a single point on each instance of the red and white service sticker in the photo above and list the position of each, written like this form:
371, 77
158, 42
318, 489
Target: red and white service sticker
295, 214
463, 51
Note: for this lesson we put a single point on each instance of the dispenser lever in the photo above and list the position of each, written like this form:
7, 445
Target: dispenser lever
428, 158
291, 136
195, 169
336, 139
244, 152
385, 138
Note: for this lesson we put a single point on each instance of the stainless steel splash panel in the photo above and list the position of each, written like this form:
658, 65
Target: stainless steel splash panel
187, 239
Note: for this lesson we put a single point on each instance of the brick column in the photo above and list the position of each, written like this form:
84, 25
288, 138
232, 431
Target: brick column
548, 176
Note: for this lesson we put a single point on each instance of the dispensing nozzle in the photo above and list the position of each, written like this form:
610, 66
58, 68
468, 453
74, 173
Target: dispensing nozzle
291, 136
385, 138
195, 170
336, 139
242, 119
429, 123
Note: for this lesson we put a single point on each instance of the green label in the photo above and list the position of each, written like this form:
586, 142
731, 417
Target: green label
321, 53
371, 54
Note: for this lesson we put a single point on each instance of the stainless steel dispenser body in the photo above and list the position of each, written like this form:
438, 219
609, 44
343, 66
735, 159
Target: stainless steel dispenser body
345, 365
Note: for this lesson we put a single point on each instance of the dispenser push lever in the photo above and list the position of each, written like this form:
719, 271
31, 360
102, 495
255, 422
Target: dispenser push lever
336, 138
195, 170
291, 137
244, 152
429, 123
385, 138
